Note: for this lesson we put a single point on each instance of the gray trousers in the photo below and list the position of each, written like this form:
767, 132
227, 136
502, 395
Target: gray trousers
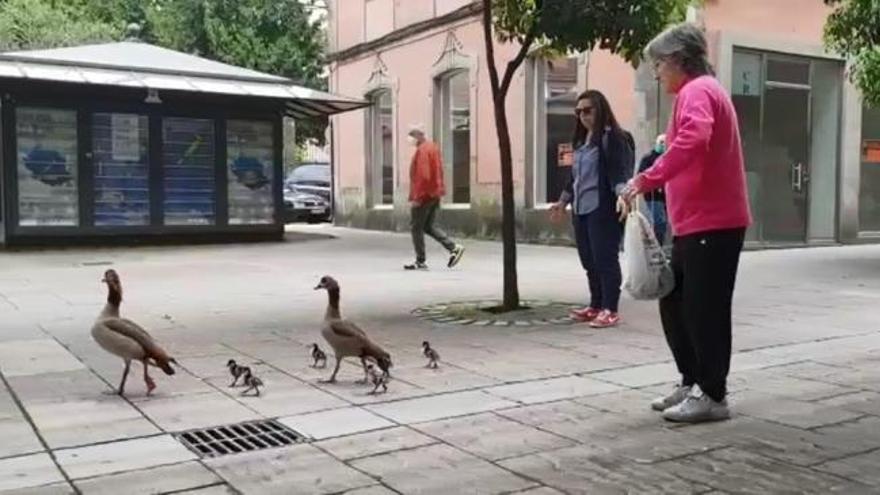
422, 222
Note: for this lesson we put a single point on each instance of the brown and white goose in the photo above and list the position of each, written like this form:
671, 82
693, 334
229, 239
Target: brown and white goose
125, 338
346, 338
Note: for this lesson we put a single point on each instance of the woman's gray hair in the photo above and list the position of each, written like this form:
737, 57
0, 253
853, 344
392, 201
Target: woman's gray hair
684, 45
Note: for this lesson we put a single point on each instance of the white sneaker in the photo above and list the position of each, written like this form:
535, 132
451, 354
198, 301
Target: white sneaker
697, 408
678, 395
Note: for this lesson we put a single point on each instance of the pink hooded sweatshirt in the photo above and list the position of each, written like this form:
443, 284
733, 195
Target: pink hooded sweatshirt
702, 167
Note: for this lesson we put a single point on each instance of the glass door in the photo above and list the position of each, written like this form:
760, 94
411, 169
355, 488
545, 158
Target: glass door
786, 150
772, 96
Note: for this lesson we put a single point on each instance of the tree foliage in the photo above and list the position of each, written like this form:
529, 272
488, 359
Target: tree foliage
280, 37
274, 36
37, 24
853, 30
622, 27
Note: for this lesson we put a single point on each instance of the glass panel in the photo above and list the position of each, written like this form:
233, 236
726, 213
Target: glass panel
382, 135
250, 156
559, 97
188, 158
869, 189
460, 134
47, 167
785, 172
746, 95
788, 71
121, 159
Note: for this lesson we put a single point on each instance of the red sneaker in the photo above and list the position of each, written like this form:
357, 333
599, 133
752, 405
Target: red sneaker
606, 319
586, 315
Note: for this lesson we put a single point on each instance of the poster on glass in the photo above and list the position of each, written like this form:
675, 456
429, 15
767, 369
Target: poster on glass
188, 154
47, 166
122, 195
250, 160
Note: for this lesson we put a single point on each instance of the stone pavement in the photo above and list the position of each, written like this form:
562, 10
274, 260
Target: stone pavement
537, 411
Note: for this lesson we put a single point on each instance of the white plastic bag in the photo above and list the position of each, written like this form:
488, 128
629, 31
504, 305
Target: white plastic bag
648, 274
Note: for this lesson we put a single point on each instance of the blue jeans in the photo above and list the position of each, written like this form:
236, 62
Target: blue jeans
598, 237
657, 209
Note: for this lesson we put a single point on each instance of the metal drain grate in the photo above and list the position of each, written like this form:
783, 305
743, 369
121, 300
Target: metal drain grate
238, 438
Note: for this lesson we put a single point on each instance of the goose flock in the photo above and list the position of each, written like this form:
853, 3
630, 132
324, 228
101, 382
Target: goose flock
129, 341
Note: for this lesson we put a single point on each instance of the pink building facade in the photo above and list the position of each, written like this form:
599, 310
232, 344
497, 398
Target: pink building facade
812, 149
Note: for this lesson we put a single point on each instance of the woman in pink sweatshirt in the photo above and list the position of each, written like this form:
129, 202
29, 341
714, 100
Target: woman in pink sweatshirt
704, 176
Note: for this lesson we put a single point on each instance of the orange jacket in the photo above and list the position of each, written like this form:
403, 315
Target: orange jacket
426, 174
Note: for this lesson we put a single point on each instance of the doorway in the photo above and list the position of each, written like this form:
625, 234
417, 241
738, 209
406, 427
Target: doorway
777, 98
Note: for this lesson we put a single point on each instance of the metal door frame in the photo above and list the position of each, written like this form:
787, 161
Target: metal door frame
762, 242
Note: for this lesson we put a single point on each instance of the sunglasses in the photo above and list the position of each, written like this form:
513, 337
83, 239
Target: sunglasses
583, 111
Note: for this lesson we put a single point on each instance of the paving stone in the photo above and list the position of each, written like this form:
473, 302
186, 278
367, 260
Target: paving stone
284, 396
117, 457
784, 443
579, 422
149, 481
774, 382
625, 401
28, 471
440, 469
861, 402
59, 387
534, 392
439, 407
790, 412
335, 423
56, 489
540, 491
447, 379
81, 422
493, 437
640, 376
33, 357
738, 471
864, 431
579, 470
301, 469
211, 490
373, 443
861, 468
195, 411
371, 490
18, 438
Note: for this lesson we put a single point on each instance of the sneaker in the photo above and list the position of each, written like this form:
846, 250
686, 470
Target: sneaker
697, 408
586, 315
455, 255
677, 396
418, 265
606, 319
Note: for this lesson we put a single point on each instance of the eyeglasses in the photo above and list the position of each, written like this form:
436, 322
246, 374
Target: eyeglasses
583, 111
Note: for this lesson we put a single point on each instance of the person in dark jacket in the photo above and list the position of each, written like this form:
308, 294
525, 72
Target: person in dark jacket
603, 163
656, 200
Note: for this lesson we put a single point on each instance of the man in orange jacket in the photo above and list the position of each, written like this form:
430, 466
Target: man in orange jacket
426, 189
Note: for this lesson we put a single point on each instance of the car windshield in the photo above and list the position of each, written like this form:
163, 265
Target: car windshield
311, 174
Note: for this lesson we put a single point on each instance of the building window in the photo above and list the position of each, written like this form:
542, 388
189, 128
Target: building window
869, 189
380, 146
121, 162
47, 167
556, 92
250, 163
453, 124
188, 162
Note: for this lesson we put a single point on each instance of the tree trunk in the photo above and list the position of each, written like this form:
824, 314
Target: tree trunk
508, 207
500, 87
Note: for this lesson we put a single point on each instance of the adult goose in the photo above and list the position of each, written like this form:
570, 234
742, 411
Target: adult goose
346, 338
125, 338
